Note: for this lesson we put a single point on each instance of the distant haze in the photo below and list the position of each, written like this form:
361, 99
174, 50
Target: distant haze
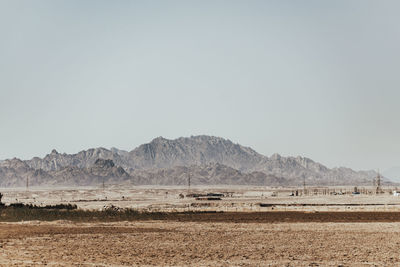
393, 174
313, 78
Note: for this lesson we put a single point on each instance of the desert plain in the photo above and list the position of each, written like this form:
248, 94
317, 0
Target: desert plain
322, 229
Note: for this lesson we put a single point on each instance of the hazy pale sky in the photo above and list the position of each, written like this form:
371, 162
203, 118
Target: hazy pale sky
313, 78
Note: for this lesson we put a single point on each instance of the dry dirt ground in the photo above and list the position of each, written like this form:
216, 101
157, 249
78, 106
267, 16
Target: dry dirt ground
341, 235
171, 243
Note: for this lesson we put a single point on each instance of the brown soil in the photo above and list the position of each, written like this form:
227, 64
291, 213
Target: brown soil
202, 243
287, 216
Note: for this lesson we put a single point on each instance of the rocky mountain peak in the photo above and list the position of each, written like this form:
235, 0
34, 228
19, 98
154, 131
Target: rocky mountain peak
159, 139
275, 156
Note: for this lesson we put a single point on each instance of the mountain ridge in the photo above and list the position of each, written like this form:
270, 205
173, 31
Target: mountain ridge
173, 154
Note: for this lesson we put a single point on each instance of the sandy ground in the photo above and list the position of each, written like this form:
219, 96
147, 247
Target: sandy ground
169, 243
167, 198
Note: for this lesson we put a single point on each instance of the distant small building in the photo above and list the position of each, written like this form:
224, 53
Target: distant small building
396, 193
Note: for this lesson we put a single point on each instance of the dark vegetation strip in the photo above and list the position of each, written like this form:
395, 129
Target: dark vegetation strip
14, 214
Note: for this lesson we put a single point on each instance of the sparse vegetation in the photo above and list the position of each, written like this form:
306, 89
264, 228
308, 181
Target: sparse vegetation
16, 213
20, 212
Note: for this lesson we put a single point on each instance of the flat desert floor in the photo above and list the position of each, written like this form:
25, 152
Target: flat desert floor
236, 198
318, 229
169, 243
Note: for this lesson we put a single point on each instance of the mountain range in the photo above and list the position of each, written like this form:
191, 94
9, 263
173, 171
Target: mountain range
207, 160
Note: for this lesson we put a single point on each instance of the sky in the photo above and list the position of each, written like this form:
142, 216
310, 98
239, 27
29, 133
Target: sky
312, 78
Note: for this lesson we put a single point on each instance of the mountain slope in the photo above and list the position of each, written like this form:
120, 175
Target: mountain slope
163, 160
195, 150
206, 174
16, 173
84, 159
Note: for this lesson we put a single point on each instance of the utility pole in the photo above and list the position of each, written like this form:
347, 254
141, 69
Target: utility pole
378, 183
27, 183
189, 181
304, 185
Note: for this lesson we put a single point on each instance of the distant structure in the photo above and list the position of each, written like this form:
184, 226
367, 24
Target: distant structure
377, 183
27, 183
